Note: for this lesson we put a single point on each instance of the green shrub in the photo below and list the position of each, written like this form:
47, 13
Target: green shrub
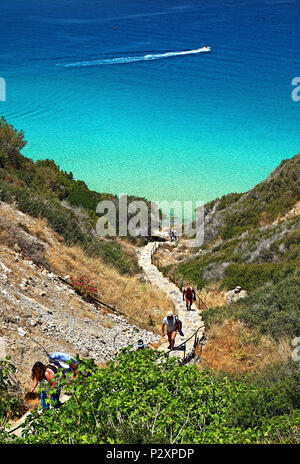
251, 276
228, 200
272, 392
86, 199
273, 310
9, 404
11, 142
138, 400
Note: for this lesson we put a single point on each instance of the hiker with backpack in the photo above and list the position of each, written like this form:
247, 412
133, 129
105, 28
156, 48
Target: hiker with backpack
44, 376
172, 324
189, 295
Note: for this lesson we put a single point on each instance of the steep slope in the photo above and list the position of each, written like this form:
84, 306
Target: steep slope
252, 241
251, 238
35, 304
235, 213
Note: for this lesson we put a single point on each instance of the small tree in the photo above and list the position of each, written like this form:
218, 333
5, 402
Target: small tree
11, 143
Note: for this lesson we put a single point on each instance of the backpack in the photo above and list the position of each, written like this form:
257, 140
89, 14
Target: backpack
189, 292
178, 323
62, 361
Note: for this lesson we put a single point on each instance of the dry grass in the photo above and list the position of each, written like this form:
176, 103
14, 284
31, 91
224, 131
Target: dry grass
212, 296
234, 348
39, 229
265, 219
295, 211
127, 294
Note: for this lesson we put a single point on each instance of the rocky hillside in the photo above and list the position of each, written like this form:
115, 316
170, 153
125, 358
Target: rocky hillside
268, 201
251, 245
36, 306
251, 238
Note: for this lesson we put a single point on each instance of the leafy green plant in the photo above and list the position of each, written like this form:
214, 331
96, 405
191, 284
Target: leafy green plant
272, 310
142, 398
9, 404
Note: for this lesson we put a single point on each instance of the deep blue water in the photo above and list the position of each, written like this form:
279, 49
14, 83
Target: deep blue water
192, 126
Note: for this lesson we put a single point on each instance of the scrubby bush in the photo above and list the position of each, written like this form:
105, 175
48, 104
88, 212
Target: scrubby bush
137, 399
272, 310
84, 286
252, 276
11, 142
275, 310
9, 404
228, 200
273, 392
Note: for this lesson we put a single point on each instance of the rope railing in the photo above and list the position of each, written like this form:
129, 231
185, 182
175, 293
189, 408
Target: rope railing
196, 342
200, 301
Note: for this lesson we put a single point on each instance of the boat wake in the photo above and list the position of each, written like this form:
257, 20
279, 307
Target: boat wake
132, 59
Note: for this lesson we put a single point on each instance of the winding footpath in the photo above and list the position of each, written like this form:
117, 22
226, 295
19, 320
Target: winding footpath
191, 320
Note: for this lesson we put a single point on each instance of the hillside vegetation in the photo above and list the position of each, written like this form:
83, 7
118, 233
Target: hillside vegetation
43, 190
246, 243
137, 399
234, 214
251, 240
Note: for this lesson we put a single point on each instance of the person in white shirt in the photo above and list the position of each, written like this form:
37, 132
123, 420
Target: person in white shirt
170, 323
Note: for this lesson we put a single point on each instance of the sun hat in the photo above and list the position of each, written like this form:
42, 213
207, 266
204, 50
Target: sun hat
169, 314
32, 398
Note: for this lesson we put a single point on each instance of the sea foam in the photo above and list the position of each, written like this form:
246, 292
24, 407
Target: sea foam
131, 59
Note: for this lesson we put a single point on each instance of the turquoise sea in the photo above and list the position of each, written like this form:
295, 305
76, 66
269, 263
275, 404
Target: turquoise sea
187, 126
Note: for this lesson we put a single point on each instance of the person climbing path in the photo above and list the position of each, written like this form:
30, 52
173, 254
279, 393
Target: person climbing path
189, 295
44, 375
172, 325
